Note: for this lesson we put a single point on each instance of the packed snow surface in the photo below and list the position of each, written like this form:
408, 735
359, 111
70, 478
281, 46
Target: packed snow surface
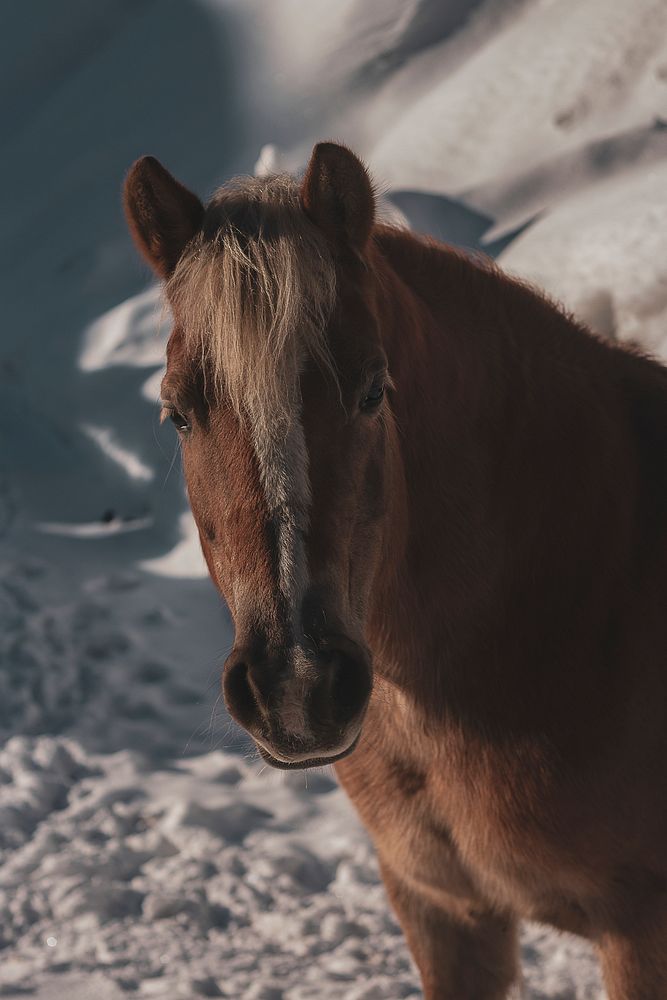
144, 849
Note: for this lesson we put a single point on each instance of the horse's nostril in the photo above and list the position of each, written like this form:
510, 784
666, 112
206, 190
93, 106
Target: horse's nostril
350, 685
239, 692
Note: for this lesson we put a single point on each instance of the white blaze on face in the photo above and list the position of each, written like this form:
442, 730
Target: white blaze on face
283, 464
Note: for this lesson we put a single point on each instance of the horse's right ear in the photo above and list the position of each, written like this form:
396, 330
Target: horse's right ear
161, 213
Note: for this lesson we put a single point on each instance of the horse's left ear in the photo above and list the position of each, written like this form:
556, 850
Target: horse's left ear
338, 196
161, 213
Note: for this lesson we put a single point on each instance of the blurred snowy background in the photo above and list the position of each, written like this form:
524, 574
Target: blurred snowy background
144, 851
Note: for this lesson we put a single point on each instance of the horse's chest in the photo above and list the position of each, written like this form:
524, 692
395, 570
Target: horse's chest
450, 826
504, 862
440, 827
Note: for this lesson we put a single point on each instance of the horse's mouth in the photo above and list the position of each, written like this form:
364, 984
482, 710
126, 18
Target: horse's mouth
302, 765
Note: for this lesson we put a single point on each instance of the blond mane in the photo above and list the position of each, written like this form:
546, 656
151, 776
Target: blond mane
255, 289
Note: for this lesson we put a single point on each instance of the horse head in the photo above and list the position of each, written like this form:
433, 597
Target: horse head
278, 386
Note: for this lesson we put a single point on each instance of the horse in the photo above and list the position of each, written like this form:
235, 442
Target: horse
434, 504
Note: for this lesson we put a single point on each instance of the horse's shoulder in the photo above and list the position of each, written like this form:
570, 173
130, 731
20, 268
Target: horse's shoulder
643, 385
643, 382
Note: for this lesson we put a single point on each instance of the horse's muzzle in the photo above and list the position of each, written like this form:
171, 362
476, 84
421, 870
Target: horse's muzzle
304, 708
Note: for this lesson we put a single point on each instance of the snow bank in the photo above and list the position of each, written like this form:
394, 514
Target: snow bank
602, 253
206, 879
554, 76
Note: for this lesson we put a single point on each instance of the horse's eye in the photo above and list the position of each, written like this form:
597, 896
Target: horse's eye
374, 396
178, 420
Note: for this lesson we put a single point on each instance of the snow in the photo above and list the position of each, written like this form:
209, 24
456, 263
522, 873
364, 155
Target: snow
144, 848
601, 253
130, 463
225, 872
125, 335
562, 73
185, 559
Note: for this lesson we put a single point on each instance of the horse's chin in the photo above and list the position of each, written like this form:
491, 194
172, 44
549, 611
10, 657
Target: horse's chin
302, 765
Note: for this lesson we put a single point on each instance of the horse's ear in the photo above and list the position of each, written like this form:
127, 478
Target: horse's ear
338, 196
161, 213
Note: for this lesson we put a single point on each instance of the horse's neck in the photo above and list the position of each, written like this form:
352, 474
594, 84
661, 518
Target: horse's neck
442, 322
452, 352
441, 392
483, 371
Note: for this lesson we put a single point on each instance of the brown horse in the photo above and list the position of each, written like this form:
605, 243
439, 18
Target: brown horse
437, 508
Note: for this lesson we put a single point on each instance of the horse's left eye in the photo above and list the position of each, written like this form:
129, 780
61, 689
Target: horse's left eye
180, 422
374, 396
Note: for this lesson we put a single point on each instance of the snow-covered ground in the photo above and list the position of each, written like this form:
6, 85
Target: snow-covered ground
144, 850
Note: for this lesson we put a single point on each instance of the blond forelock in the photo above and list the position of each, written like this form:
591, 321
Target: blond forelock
254, 292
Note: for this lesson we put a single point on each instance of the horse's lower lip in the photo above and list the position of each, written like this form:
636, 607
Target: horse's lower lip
300, 765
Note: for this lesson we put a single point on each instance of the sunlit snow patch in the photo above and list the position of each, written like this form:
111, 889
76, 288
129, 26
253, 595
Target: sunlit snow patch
151, 388
131, 463
95, 529
185, 560
126, 335
602, 253
269, 161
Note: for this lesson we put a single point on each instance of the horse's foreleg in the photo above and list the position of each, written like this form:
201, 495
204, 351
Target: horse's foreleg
463, 951
635, 968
